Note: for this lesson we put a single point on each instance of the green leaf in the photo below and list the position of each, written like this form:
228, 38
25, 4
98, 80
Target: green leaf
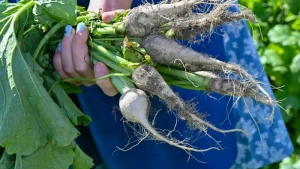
81, 160
291, 102
283, 34
47, 157
11, 9
29, 117
279, 33
65, 103
296, 25
295, 66
7, 161
271, 57
49, 11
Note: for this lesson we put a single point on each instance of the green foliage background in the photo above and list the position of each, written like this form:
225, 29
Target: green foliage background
277, 37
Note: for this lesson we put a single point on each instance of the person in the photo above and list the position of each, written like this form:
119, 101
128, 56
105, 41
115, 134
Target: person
230, 43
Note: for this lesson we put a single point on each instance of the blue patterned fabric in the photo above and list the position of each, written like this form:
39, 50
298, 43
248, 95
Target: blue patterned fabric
272, 142
231, 43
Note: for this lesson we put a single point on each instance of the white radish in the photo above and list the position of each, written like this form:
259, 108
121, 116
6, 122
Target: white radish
135, 105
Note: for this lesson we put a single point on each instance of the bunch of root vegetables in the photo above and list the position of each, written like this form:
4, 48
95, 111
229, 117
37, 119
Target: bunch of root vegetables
144, 58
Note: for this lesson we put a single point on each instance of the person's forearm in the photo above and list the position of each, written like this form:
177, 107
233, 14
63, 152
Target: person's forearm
109, 5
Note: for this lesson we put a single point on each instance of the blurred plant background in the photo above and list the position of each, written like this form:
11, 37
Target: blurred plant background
277, 38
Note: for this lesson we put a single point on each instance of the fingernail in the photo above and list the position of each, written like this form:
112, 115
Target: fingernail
98, 67
80, 27
68, 30
111, 17
59, 47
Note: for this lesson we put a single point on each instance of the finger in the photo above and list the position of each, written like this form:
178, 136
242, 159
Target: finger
109, 16
81, 59
57, 63
66, 53
105, 84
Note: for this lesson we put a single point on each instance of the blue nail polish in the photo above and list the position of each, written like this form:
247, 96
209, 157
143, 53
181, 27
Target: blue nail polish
59, 47
80, 27
68, 30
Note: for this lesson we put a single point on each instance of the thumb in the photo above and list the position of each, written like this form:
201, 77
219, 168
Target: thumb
107, 87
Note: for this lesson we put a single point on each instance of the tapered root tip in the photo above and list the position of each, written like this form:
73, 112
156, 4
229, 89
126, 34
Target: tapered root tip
232, 87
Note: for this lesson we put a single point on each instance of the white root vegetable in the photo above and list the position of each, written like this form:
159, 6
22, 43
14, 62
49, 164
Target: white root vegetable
148, 79
135, 105
166, 51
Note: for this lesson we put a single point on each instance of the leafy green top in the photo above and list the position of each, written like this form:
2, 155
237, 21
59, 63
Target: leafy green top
36, 127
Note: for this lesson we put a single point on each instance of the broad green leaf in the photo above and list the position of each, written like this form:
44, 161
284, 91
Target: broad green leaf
295, 66
12, 9
279, 33
47, 157
65, 103
49, 11
32, 38
283, 34
7, 161
296, 25
291, 102
81, 160
271, 57
29, 117
294, 6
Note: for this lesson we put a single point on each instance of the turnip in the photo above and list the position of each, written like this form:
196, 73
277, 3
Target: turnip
139, 47
150, 56
135, 105
148, 79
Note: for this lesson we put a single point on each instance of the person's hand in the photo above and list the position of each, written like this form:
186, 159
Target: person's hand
109, 8
71, 59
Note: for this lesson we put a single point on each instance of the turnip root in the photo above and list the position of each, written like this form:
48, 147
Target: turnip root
179, 16
141, 20
148, 79
193, 61
135, 105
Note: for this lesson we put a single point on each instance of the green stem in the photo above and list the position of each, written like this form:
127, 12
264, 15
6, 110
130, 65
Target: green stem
6, 25
194, 79
86, 17
96, 79
117, 39
120, 86
190, 86
119, 60
110, 47
46, 38
105, 31
23, 9
97, 56
6, 18
122, 83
